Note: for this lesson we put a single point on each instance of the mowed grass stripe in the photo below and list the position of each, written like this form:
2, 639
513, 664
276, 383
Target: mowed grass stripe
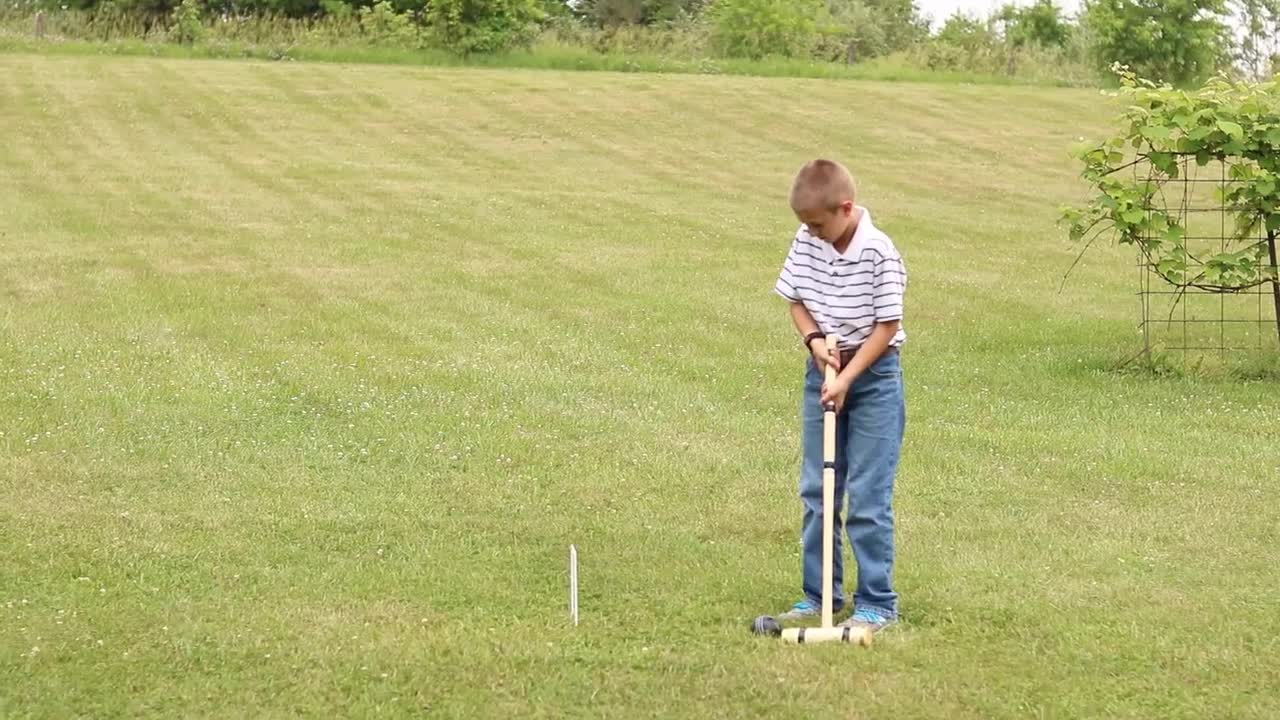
137, 177
258, 174
275, 165
116, 163
46, 154
185, 165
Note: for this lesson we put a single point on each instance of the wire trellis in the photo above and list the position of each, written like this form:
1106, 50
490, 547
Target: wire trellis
1195, 320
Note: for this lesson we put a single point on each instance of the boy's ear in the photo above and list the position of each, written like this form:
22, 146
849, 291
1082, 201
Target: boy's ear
846, 208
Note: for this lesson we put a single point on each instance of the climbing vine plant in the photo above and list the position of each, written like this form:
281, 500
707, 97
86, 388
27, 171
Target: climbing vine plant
1161, 131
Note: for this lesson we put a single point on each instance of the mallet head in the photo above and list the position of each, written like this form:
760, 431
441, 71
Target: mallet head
838, 634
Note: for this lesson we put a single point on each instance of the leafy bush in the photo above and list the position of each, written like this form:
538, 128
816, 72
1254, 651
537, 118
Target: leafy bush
480, 26
963, 43
1165, 129
382, 25
760, 28
614, 13
1177, 41
188, 26
1040, 24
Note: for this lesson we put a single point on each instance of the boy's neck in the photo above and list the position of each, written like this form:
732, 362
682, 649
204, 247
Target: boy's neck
842, 243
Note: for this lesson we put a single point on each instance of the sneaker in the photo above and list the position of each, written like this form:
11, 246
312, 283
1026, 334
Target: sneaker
806, 610
869, 618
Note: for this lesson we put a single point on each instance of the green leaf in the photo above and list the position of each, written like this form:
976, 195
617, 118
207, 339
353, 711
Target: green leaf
1203, 157
1237, 196
1231, 128
1164, 162
1134, 216
1245, 225
1157, 132
1273, 222
1265, 187
1175, 233
1171, 269
1273, 137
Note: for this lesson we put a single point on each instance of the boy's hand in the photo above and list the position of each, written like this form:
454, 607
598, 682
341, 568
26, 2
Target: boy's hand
834, 392
824, 357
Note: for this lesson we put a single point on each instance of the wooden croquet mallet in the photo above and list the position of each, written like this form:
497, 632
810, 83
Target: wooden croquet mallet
828, 633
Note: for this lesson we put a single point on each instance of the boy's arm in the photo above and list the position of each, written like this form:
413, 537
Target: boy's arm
889, 285
871, 350
807, 325
803, 320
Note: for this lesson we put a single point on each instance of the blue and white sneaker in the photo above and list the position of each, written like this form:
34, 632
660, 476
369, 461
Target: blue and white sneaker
807, 609
869, 618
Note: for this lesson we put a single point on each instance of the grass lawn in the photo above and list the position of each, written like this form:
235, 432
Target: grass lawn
311, 373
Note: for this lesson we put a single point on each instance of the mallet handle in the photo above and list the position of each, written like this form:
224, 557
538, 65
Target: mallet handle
828, 491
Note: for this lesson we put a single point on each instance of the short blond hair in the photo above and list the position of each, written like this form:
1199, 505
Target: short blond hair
822, 184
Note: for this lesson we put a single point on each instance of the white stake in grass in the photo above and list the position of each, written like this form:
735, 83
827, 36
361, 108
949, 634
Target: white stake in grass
573, 584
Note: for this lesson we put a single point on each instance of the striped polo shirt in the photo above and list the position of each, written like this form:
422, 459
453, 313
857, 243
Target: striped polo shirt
847, 293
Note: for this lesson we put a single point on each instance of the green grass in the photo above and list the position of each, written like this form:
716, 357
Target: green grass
310, 374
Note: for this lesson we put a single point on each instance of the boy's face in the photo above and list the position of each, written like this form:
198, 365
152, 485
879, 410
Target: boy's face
827, 224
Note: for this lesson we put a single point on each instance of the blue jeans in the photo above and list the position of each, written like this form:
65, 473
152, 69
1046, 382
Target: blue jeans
869, 431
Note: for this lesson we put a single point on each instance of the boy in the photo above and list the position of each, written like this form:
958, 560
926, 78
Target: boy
844, 276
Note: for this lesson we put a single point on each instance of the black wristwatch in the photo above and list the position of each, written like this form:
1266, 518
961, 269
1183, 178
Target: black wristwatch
808, 339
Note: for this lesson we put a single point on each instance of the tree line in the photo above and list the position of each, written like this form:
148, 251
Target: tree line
1178, 41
